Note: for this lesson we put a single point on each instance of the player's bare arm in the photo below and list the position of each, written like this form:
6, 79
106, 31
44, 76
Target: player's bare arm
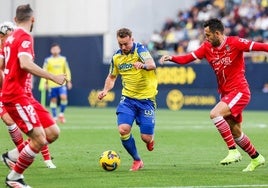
27, 64
2, 65
109, 84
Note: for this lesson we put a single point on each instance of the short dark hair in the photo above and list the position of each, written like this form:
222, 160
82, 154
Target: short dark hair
23, 13
124, 32
214, 25
54, 44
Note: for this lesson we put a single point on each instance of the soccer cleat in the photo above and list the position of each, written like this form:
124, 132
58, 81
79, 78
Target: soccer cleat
232, 157
16, 183
136, 165
49, 164
7, 161
150, 145
254, 163
62, 119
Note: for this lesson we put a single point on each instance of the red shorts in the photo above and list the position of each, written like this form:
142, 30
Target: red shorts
237, 102
29, 113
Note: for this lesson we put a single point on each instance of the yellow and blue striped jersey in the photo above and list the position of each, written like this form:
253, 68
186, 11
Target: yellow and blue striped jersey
137, 83
57, 65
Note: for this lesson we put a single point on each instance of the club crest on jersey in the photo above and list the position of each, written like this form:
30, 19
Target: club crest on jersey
227, 47
25, 44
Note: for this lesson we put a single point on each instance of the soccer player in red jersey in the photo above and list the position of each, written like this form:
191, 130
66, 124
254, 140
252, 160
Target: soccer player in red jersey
225, 56
29, 115
6, 29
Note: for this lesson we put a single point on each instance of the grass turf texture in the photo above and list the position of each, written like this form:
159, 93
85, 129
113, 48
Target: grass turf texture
187, 152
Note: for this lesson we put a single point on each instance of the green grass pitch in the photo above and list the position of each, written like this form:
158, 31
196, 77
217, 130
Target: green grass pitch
187, 153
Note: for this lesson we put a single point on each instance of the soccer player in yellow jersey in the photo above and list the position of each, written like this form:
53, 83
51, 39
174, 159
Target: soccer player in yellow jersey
136, 67
57, 64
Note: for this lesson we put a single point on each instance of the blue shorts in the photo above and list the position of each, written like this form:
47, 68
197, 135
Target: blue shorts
143, 111
57, 91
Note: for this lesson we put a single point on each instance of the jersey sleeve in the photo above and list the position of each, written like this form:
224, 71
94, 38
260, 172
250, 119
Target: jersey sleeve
26, 46
143, 52
200, 52
242, 44
113, 69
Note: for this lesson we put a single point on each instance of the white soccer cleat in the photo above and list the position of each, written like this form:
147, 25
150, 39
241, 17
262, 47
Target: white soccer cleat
7, 161
16, 183
49, 164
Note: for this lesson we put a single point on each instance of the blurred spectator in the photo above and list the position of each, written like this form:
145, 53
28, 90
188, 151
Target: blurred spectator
245, 18
265, 88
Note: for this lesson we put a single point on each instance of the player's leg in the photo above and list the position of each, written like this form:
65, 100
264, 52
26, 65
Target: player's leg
13, 129
53, 102
47, 157
244, 143
129, 144
63, 103
10, 158
27, 155
146, 121
52, 131
38, 137
217, 115
17, 138
125, 119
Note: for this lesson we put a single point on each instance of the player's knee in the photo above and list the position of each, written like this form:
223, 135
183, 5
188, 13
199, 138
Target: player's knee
64, 101
53, 104
124, 129
52, 134
146, 138
213, 114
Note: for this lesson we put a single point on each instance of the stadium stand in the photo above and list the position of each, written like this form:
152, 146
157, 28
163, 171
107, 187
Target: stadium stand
183, 33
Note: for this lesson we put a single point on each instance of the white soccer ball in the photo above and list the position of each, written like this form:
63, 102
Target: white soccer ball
6, 26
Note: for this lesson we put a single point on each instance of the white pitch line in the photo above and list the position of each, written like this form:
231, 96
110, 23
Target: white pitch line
168, 127
213, 186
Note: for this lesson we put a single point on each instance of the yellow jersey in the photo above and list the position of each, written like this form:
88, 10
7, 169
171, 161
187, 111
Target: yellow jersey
137, 83
57, 65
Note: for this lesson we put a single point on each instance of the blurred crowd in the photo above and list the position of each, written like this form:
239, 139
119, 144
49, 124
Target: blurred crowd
184, 32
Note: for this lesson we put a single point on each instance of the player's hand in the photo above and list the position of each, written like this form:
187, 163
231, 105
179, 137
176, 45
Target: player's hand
69, 85
164, 58
138, 65
102, 94
60, 79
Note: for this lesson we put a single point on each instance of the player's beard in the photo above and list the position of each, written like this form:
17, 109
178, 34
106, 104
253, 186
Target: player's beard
126, 52
31, 28
215, 42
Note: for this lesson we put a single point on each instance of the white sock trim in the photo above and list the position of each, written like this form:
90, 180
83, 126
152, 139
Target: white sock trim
239, 138
217, 119
12, 127
29, 150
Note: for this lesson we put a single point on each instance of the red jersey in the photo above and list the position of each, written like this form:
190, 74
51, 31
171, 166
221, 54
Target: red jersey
18, 82
227, 61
